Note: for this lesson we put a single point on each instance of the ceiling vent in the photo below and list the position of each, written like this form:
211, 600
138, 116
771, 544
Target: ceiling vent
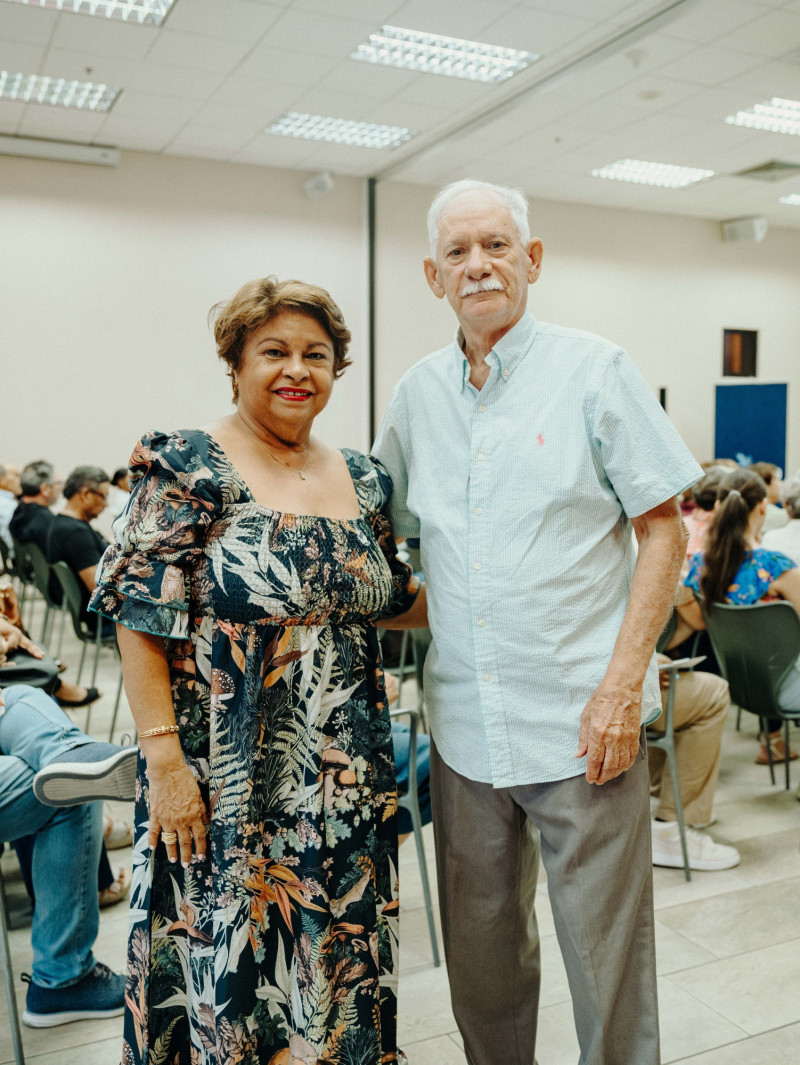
774, 170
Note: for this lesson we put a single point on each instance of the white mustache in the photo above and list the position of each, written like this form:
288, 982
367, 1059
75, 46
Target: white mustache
489, 284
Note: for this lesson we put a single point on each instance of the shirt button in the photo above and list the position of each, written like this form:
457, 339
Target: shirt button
477, 565
481, 623
487, 676
482, 408
506, 373
479, 510
479, 456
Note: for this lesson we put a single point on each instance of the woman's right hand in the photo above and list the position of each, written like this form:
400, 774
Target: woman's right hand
177, 806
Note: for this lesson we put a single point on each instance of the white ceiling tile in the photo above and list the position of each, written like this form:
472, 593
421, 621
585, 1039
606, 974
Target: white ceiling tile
191, 151
230, 19
529, 114
710, 66
453, 18
197, 50
714, 104
705, 22
541, 32
376, 82
17, 57
319, 34
596, 9
19, 22
182, 82
238, 119
602, 117
86, 66
642, 59
215, 138
337, 104
145, 106
80, 33
60, 124
377, 11
344, 159
414, 116
11, 114
281, 152
449, 93
774, 34
651, 94
137, 134
285, 65
764, 82
270, 97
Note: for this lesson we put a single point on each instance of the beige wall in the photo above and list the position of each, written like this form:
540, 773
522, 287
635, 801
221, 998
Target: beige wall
108, 274
662, 287
107, 278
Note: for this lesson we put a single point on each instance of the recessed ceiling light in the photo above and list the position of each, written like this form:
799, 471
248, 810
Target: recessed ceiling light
449, 56
642, 173
150, 12
794, 199
58, 92
775, 115
339, 131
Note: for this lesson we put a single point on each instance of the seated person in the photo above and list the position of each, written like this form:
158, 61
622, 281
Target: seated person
73, 540
67, 983
10, 491
787, 539
118, 497
704, 495
734, 568
24, 662
699, 712
30, 522
772, 476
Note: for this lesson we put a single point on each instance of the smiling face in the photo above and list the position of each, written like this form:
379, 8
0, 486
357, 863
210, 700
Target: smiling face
481, 264
285, 375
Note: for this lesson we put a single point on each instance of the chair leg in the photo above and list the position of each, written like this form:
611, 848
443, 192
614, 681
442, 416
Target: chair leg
8, 977
45, 626
116, 707
673, 773
80, 665
416, 821
786, 750
768, 745
63, 613
738, 717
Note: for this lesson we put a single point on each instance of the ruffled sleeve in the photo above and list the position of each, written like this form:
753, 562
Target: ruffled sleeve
374, 489
144, 578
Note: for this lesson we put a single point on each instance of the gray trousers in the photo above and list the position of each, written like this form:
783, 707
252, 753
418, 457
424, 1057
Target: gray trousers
595, 845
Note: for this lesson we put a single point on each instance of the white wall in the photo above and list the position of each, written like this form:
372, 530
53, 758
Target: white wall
662, 287
107, 278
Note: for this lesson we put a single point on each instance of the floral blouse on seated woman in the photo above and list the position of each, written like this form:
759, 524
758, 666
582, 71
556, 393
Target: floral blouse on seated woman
754, 578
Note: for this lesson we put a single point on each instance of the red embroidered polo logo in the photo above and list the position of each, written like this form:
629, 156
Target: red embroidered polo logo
540, 439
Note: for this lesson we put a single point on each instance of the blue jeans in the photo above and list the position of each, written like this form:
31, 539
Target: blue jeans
35, 731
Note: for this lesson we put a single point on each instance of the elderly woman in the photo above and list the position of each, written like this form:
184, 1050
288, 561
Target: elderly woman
787, 539
253, 562
734, 568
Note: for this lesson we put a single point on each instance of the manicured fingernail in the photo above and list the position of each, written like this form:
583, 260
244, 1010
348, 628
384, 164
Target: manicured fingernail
173, 859
185, 865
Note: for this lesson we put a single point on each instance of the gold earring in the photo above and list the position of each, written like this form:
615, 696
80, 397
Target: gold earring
235, 390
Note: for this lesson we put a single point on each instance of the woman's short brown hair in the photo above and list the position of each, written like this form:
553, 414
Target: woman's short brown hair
258, 301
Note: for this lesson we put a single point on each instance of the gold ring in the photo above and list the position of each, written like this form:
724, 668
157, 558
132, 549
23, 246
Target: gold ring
169, 837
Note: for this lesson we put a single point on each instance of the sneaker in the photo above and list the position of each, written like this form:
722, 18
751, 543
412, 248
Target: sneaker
704, 854
87, 773
100, 993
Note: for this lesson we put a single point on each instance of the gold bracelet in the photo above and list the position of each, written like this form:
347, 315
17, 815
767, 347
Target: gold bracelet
161, 730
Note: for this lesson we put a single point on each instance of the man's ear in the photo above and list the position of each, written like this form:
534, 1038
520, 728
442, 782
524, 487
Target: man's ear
432, 277
534, 251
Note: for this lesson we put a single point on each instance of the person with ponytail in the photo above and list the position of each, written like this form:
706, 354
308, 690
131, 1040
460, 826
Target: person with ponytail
735, 568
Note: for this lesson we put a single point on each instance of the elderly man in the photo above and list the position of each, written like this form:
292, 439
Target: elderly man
521, 454
41, 488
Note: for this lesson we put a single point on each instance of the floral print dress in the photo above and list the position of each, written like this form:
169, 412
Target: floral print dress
281, 947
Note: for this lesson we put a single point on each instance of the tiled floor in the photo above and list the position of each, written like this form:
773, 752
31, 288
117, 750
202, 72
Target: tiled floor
728, 943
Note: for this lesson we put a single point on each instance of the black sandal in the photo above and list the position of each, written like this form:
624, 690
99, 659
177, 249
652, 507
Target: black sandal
91, 696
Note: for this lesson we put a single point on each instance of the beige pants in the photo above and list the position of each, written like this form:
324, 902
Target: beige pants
701, 706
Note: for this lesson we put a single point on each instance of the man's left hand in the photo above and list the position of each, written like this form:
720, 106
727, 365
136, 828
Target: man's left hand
609, 732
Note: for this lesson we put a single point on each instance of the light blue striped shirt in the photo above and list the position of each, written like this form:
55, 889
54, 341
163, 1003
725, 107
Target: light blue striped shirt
520, 494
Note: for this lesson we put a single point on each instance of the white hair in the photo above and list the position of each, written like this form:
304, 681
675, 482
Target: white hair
514, 199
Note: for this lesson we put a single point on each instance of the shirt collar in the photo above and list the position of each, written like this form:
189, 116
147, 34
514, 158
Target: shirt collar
507, 353
5, 494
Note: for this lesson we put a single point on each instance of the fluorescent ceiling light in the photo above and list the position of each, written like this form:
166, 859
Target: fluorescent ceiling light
643, 173
434, 54
58, 92
149, 12
775, 115
339, 131
794, 199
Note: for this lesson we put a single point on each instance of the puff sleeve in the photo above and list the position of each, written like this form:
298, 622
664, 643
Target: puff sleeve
143, 579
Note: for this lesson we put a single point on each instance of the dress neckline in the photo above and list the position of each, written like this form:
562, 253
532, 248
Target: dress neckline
252, 501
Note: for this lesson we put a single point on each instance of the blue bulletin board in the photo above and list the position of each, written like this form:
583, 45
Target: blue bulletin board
750, 422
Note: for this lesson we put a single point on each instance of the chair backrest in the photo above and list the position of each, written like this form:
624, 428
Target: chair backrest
42, 574
756, 646
22, 563
420, 642
74, 599
5, 557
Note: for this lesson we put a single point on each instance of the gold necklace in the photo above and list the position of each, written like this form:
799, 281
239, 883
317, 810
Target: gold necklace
300, 473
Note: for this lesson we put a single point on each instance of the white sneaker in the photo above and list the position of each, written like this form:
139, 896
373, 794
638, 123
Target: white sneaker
704, 854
